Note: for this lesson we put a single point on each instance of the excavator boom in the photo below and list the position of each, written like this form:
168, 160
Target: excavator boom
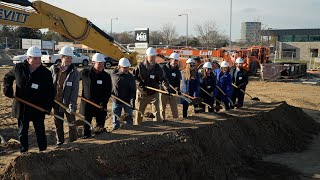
69, 25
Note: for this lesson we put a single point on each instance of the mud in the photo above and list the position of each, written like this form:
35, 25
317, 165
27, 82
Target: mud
228, 147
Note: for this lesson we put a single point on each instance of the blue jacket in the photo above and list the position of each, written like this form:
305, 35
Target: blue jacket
225, 84
191, 87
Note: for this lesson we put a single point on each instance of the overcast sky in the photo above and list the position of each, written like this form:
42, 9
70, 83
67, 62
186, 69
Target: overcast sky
153, 13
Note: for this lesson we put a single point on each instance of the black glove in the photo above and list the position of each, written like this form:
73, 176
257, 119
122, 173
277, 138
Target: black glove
8, 91
142, 86
179, 93
132, 103
102, 106
168, 92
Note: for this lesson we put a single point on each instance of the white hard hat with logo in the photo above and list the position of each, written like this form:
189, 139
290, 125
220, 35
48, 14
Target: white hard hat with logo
207, 65
66, 50
98, 57
34, 51
175, 56
239, 60
190, 60
224, 64
151, 52
124, 62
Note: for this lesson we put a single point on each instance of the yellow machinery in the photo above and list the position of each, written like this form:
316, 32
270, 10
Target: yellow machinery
43, 15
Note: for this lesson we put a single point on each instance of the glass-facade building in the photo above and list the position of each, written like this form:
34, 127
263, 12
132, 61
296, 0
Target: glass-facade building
294, 35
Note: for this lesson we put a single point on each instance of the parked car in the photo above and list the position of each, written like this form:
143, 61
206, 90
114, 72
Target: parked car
22, 58
77, 59
110, 62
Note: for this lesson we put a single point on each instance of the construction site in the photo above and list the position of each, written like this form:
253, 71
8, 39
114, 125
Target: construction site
275, 135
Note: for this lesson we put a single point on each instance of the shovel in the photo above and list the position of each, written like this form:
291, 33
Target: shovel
186, 99
74, 113
148, 115
252, 98
43, 110
217, 107
166, 93
231, 102
195, 100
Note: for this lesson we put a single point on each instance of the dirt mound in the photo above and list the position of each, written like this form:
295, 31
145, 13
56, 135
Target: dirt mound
223, 150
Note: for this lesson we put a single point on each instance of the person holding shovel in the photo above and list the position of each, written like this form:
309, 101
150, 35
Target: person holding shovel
224, 86
190, 85
123, 87
240, 81
173, 74
149, 74
207, 83
66, 83
96, 87
33, 84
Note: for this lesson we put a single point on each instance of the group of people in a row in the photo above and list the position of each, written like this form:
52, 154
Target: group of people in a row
60, 85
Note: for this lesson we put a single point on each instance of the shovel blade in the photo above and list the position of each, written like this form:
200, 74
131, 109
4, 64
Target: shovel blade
255, 99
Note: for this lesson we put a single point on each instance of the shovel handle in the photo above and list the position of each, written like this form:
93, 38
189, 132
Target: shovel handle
158, 90
117, 98
92, 103
74, 113
242, 91
225, 95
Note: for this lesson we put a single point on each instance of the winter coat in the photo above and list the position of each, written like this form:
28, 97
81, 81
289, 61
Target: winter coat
36, 88
241, 79
225, 84
208, 84
70, 85
96, 88
192, 86
150, 77
173, 75
123, 86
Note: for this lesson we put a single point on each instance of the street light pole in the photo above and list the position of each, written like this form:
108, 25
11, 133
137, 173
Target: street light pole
187, 27
230, 25
111, 25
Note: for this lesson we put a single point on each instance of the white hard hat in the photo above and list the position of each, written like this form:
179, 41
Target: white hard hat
98, 57
151, 52
34, 51
175, 56
190, 60
239, 60
124, 62
66, 50
207, 65
224, 64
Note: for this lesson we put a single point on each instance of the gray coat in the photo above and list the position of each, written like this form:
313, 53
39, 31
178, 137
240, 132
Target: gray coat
124, 86
70, 85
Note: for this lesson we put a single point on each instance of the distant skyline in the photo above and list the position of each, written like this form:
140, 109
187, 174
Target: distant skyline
131, 14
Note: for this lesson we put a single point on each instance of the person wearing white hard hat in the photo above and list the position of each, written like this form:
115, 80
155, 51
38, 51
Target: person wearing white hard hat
66, 82
225, 84
123, 87
216, 68
172, 72
149, 73
96, 87
208, 83
190, 84
33, 84
240, 79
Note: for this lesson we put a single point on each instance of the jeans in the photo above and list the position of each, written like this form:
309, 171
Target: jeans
116, 109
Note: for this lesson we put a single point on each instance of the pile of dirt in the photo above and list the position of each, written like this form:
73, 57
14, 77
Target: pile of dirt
223, 150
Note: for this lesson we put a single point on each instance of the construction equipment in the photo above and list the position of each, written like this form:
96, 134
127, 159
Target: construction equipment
252, 98
230, 100
74, 113
39, 14
43, 110
217, 107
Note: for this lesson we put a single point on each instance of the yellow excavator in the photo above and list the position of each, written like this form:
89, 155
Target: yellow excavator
39, 15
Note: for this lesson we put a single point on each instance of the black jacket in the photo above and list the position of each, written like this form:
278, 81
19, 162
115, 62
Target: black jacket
123, 86
242, 78
36, 88
173, 75
96, 87
152, 78
208, 84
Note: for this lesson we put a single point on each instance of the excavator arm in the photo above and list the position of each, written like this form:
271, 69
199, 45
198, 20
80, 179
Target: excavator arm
38, 15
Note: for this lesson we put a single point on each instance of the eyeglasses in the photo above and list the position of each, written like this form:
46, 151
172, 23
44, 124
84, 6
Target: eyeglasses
209, 69
192, 65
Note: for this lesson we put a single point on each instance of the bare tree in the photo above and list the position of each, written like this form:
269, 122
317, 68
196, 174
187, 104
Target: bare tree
155, 37
168, 32
209, 34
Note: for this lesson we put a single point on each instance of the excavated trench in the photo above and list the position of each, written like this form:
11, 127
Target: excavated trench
222, 150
